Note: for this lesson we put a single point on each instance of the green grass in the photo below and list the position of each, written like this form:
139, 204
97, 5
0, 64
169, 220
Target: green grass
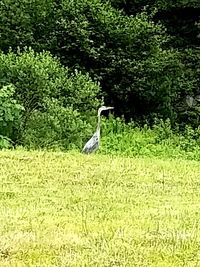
68, 209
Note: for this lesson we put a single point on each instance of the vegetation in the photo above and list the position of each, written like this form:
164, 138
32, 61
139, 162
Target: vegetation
10, 112
160, 141
50, 98
134, 203
68, 209
64, 59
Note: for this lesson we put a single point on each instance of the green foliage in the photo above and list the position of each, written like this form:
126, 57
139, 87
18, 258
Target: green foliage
159, 141
26, 23
39, 76
35, 76
136, 6
57, 127
124, 53
131, 56
128, 59
10, 115
5, 142
189, 113
137, 71
40, 79
162, 4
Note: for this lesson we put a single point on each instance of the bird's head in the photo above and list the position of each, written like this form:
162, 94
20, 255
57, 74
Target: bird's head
104, 108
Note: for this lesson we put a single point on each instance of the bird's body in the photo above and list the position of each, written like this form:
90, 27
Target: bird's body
93, 144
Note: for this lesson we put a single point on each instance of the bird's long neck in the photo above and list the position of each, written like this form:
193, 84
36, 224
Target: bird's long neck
99, 121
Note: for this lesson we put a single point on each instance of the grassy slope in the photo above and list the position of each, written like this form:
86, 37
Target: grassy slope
67, 209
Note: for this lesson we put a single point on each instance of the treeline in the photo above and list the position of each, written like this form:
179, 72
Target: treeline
60, 58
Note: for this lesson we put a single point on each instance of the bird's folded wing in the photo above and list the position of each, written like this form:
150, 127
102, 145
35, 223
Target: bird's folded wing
91, 145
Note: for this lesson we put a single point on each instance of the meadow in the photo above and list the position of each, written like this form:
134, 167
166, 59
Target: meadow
68, 209
136, 202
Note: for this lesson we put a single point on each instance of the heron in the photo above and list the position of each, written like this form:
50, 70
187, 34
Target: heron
93, 144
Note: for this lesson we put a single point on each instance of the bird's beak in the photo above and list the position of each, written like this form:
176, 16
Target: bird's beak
110, 107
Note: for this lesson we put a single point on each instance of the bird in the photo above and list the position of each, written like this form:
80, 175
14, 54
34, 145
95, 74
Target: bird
93, 144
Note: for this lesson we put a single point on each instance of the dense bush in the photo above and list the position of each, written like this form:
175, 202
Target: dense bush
136, 6
40, 81
119, 43
57, 127
125, 54
137, 75
189, 105
10, 115
38, 76
33, 75
160, 140
26, 23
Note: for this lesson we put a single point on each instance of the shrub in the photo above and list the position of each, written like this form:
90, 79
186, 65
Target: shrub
57, 127
126, 54
189, 104
38, 76
26, 23
157, 141
38, 79
5, 142
10, 115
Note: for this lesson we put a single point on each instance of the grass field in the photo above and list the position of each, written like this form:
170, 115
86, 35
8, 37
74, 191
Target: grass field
68, 209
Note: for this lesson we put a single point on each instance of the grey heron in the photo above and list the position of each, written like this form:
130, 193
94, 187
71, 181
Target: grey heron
93, 144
